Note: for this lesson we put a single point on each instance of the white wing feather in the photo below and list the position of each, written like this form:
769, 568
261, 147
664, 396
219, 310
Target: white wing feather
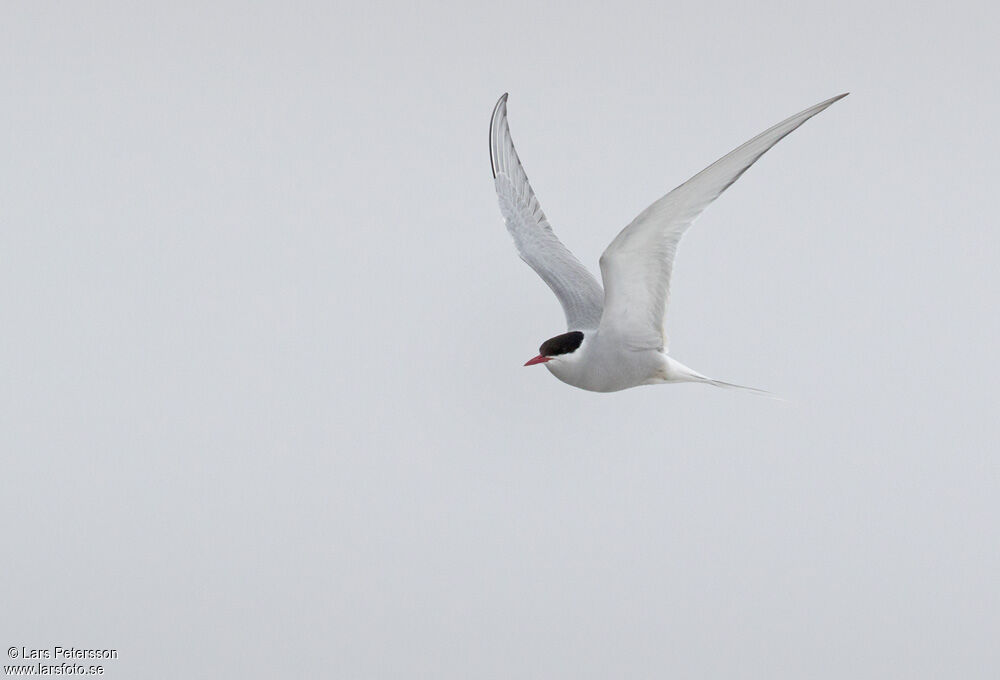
578, 291
636, 266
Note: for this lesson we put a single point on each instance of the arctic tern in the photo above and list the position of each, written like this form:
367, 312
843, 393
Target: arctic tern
615, 337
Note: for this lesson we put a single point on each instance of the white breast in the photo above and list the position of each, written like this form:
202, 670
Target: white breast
604, 365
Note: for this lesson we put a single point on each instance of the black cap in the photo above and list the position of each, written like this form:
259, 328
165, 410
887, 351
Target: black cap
561, 344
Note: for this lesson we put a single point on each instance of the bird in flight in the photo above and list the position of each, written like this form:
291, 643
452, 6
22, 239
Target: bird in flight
615, 337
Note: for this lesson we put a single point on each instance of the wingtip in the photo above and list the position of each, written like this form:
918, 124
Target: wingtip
501, 104
827, 103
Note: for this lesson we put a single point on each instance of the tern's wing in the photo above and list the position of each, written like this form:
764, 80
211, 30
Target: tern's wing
636, 266
578, 291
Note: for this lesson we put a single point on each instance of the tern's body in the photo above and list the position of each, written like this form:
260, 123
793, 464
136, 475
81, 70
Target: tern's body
604, 364
615, 338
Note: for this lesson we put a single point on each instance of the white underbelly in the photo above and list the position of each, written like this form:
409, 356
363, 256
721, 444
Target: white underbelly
611, 372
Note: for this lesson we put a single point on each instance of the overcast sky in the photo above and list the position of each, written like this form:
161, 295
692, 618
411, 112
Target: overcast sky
262, 408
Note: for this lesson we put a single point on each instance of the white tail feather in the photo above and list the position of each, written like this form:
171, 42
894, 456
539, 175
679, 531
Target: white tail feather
675, 371
734, 386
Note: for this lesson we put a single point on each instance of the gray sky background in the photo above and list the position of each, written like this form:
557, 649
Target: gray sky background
262, 409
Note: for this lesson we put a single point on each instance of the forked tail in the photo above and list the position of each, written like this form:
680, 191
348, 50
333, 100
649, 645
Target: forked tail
677, 372
734, 386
